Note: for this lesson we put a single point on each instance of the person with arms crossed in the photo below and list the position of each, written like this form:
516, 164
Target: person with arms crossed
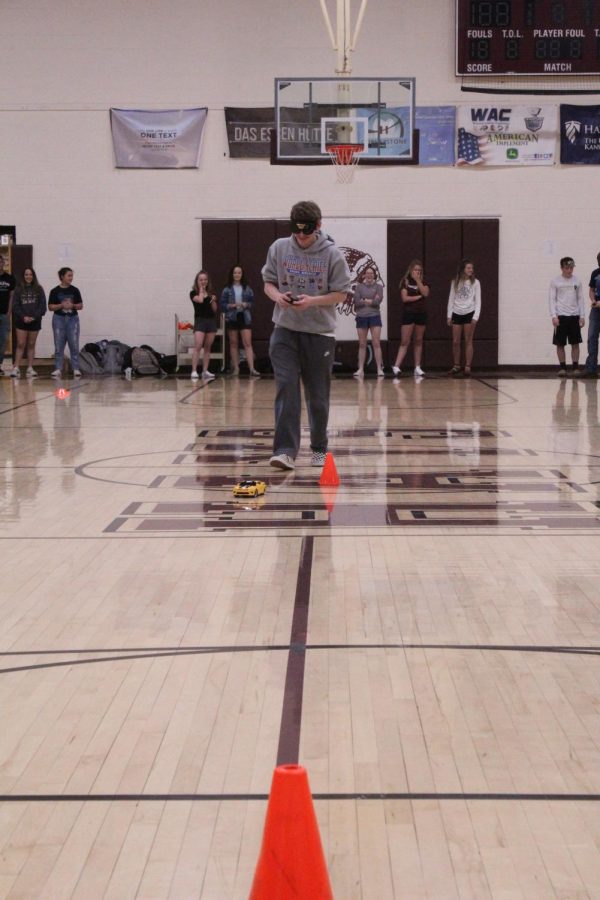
565, 299
591, 363
65, 302
7, 286
305, 276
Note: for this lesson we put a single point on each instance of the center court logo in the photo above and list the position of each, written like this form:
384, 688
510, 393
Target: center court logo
572, 130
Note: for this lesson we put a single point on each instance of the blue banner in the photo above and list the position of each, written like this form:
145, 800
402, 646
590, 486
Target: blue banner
436, 126
579, 135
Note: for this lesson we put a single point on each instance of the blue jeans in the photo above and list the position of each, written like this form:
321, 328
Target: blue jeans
66, 331
591, 362
4, 329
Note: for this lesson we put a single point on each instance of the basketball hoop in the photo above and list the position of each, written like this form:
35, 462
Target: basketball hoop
345, 159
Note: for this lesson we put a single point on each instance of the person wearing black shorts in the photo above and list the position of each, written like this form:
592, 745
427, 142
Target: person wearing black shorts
28, 307
204, 301
414, 291
567, 309
464, 308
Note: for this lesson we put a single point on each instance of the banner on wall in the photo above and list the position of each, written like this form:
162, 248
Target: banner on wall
157, 139
579, 134
506, 135
437, 127
364, 243
249, 131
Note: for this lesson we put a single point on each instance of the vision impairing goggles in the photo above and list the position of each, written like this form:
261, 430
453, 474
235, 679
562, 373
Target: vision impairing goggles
303, 227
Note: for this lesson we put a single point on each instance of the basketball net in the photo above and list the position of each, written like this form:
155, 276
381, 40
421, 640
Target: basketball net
345, 159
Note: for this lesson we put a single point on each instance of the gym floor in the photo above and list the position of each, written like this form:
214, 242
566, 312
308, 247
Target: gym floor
423, 638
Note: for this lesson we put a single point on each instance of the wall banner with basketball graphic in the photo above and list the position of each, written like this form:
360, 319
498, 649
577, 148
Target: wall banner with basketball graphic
506, 135
579, 135
157, 138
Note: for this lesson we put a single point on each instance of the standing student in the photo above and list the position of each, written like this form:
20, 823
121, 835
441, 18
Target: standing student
368, 295
567, 308
464, 308
28, 307
237, 300
305, 276
65, 302
414, 292
204, 301
591, 363
7, 286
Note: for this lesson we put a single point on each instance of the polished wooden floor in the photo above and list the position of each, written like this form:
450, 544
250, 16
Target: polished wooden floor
424, 639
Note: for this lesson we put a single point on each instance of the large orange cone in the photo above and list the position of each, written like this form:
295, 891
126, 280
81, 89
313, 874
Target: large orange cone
291, 865
329, 475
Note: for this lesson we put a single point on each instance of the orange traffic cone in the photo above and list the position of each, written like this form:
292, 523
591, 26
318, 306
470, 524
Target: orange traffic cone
329, 475
291, 865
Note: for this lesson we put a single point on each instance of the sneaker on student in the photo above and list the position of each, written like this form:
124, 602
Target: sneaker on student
380, 373
396, 370
282, 461
577, 372
194, 376
255, 373
358, 374
16, 373
208, 375
562, 373
318, 458
31, 373
56, 374
419, 371
76, 373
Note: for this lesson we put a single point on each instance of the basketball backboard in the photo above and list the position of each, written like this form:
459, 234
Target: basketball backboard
374, 115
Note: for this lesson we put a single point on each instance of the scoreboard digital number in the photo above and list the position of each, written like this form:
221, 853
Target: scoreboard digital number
527, 37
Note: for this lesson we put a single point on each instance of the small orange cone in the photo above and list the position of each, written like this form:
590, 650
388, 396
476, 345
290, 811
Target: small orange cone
291, 865
329, 475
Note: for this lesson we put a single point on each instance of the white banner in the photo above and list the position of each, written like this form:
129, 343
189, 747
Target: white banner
506, 135
364, 243
157, 139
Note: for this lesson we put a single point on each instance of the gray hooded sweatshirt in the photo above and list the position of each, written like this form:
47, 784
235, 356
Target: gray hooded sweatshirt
320, 269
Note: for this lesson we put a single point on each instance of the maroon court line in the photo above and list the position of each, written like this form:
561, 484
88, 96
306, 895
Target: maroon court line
291, 714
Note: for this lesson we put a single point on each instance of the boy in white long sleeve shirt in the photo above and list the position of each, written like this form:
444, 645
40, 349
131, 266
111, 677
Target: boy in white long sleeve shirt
567, 309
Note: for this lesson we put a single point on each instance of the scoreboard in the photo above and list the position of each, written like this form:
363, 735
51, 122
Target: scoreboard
527, 37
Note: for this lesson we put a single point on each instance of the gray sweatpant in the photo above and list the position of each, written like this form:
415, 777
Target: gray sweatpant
299, 356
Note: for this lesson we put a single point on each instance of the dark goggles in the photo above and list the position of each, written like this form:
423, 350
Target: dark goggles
303, 227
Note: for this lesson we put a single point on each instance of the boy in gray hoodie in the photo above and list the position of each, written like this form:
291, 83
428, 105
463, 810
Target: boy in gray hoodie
305, 276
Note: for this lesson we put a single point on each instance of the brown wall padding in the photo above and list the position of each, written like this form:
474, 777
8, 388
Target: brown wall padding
439, 243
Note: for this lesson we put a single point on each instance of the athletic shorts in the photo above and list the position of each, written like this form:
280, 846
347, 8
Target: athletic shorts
414, 318
207, 326
368, 321
457, 319
567, 331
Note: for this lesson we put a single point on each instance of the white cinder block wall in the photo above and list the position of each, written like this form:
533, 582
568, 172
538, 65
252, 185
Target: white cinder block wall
133, 237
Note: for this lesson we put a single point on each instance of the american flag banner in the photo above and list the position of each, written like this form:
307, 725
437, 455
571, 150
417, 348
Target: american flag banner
506, 135
468, 151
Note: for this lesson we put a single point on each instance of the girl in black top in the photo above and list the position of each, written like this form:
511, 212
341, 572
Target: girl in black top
204, 302
414, 291
28, 307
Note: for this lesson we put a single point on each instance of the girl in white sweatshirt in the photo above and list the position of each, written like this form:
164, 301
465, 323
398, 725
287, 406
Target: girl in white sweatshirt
464, 307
